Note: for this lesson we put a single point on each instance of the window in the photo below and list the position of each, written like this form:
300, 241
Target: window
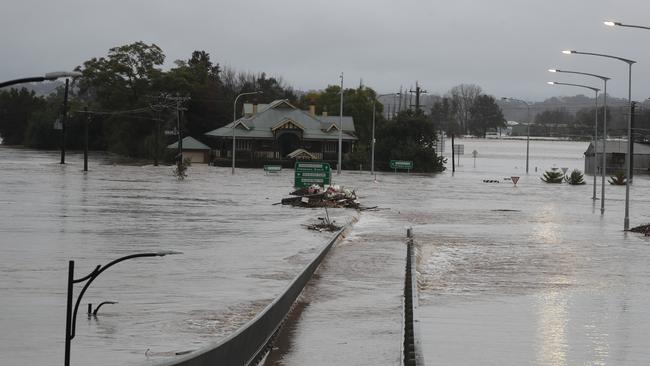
243, 144
331, 147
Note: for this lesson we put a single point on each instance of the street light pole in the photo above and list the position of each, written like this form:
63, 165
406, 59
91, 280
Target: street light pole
628, 182
71, 315
234, 118
372, 157
604, 158
527, 125
63, 118
595, 90
338, 166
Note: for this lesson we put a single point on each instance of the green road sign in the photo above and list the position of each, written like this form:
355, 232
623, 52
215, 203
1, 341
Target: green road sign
308, 173
401, 164
272, 168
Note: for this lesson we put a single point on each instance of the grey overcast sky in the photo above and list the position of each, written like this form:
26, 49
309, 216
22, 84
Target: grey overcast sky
505, 46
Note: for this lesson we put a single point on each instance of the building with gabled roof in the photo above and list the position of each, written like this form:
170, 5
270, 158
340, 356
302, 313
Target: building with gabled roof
273, 131
193, 149
615, 157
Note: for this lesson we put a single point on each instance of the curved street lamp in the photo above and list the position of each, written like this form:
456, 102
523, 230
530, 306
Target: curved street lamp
604, 169
372, 157
610, 23
234, 119
527, 125
49, 76
71, 316
628, 160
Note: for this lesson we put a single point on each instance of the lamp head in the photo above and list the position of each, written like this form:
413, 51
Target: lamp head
568, 52
62, 74
609, 23
553, 70
550, 82
167, 252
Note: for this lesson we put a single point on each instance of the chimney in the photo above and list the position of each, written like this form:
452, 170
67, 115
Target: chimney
254, 108
324, 111
312, 110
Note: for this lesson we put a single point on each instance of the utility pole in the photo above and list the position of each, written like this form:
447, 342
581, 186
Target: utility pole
338, 166
63, 120
176, 103
399, 106
417, 92
631, 142
88, 118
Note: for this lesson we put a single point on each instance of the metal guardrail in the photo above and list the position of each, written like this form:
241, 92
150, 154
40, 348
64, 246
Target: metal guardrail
249, 344
412, 347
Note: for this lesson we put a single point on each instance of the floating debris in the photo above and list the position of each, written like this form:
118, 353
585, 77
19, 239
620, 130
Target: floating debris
317, 196
643, 229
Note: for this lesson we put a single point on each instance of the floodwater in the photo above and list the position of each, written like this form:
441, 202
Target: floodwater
239, 252
526, 275
532, 274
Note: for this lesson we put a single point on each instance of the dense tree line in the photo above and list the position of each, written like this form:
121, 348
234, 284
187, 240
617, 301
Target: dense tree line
124, 88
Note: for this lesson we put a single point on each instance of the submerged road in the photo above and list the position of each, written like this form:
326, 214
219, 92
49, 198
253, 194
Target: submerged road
351, 312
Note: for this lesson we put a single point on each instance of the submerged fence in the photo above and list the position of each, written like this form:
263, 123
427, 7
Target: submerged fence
251, 342
412, 347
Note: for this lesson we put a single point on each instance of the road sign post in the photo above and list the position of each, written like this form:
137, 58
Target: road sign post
401, 164
308, 173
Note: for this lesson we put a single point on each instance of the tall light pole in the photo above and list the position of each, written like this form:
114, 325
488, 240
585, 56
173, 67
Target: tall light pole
234, 119
372, 156
338, 166
626, 221
595, 90
604, 158
630, 142
71, 315
527, 125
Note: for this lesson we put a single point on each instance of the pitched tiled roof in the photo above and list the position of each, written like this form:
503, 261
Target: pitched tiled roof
261, 124
190, 143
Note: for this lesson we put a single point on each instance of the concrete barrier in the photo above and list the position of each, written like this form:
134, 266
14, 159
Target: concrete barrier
412, 347
251, 342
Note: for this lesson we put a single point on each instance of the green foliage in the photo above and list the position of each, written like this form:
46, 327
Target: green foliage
443, 115
575, 178
410, 136
16, 109
619, 179
553, 176
180, 172
485, 114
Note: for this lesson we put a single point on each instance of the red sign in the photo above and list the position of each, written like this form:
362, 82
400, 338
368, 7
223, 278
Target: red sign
515, 180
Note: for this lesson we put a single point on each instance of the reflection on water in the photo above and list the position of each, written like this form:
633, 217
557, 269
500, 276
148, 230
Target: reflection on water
551, 324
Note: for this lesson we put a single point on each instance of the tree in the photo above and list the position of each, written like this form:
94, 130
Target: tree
16, 109
464, 97
485, 114
409, 136
443, 115
124, 80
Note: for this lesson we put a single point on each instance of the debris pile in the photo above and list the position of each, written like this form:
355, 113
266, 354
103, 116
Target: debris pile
325, 224
317, 196
643, 229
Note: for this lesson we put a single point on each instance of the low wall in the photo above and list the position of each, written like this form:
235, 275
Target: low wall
248, 344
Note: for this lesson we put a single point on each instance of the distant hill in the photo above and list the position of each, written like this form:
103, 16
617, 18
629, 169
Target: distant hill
517, 111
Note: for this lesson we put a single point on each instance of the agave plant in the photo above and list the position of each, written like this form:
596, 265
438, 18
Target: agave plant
619, 179
576, 178
553, 176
